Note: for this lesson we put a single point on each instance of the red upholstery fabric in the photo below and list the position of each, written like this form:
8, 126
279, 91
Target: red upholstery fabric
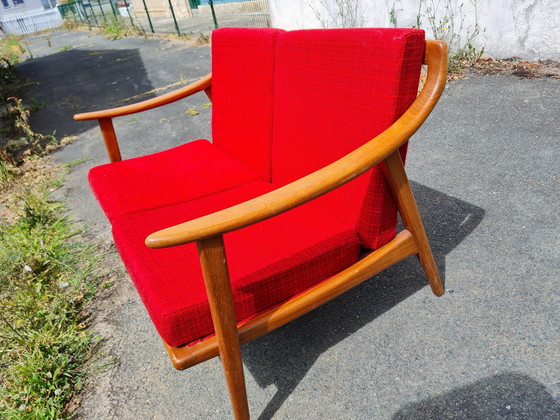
242, 88
180, 174
284, 104
268, 262
335, 90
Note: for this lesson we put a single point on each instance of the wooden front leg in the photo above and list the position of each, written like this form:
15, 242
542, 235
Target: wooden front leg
218, 287
110, 138
402, 193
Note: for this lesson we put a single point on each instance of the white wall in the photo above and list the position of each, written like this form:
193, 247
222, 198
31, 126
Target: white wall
526, 29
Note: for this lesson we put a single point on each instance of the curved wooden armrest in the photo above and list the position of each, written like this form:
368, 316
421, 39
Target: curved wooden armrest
323, 180
201, 84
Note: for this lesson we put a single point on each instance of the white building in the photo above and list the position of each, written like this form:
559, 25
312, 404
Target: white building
28, 16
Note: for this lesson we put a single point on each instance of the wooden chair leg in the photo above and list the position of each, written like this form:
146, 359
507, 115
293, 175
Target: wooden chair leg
216, 278
402, 193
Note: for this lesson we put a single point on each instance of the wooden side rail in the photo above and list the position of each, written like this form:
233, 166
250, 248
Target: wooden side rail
105, 116
401, 247
323, 180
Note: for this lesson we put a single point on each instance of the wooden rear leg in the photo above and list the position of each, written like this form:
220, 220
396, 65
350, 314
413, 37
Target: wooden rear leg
402, 193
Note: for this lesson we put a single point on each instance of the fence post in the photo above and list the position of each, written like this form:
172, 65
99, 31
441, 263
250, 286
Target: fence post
211, 3
102, 12
128, 13
82, 10
93, 14
113, 9
75, 10
174, 19
148, 15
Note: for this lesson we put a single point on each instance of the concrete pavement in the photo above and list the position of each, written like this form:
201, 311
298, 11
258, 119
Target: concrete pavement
486, 176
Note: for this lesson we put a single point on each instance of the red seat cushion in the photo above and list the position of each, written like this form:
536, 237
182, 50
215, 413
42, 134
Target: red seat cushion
334, 91
242, 90
268, 262
180, 174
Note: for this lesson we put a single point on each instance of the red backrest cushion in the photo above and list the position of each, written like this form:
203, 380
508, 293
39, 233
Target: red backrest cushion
335, 90
242, 89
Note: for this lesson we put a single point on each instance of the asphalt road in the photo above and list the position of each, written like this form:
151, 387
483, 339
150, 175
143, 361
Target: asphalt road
486, 176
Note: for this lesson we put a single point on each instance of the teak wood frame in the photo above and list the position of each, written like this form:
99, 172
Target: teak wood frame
208, 231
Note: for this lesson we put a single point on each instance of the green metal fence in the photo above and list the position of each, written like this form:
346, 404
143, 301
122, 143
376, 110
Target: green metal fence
97, 12
166, 16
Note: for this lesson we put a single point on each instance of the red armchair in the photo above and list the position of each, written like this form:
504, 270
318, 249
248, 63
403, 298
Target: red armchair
226, 241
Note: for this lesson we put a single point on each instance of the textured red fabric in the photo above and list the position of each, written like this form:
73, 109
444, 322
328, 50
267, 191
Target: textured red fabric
268, 262
242, 87
180, 174
335, 90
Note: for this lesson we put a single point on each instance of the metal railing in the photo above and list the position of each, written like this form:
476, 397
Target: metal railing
167, 16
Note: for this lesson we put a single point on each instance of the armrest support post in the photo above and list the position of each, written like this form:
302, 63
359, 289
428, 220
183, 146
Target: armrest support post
110, 139
218, 287
208, 92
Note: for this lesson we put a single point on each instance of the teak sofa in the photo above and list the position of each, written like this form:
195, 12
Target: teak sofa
299, 188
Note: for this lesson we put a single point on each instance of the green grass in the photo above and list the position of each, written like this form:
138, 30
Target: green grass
47, 276
11, 49
48, 272
118, 27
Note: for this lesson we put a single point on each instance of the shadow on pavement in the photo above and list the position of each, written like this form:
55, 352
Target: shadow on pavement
503, 396
64, 82
283, 357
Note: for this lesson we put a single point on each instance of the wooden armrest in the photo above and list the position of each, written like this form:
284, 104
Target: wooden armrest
201, 84
323, 180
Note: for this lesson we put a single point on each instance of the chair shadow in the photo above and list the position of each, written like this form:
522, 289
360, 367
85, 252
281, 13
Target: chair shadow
80, 80
503, 396
283, 357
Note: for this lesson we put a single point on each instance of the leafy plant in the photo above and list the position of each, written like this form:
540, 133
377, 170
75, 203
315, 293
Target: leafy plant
113, 29
203, 39
34, 105
445, 19
117, 28
393, 15
466, 56
337, 14
35, 141
7, 171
